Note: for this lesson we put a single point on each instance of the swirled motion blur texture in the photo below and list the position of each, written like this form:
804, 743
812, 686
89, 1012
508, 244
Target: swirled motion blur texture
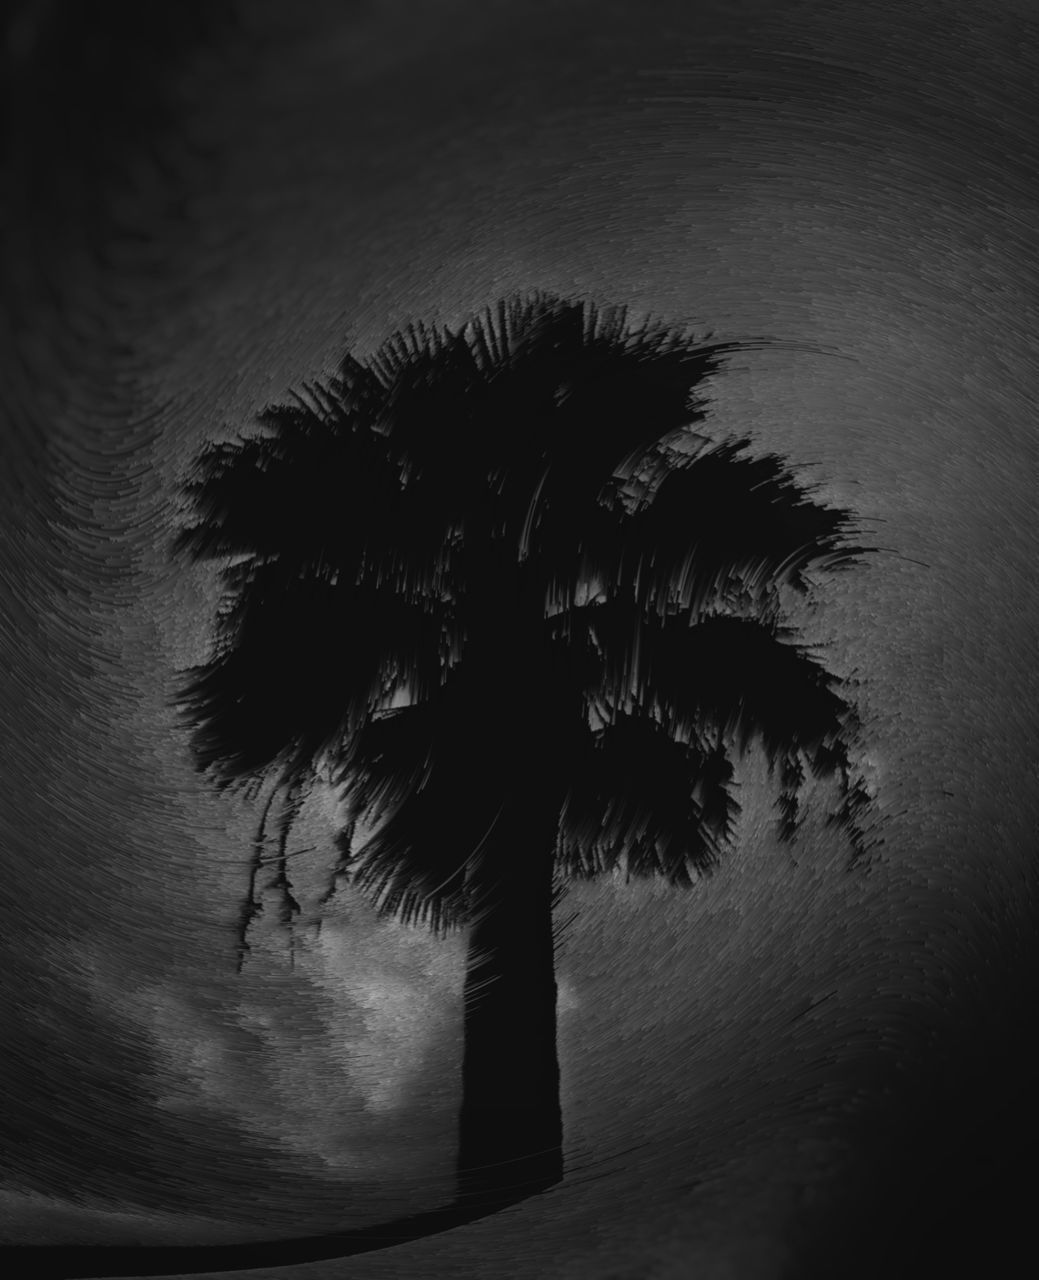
798, 1067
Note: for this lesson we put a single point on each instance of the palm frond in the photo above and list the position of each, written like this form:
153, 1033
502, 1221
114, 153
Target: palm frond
431, 790
314, 494
739, 674
637, 792
251, 906
737, 678
298, 661
718, 520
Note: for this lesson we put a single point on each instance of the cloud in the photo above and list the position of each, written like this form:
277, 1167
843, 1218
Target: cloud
406, 986
349, 1058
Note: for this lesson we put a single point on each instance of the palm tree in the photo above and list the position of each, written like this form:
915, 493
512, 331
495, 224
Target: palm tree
526, 618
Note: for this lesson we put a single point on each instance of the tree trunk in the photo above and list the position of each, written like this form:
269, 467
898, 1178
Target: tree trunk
511, 1131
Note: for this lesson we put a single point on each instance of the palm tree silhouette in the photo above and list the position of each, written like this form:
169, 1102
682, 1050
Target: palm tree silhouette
526, 618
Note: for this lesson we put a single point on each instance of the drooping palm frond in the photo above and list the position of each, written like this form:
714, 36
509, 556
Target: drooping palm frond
741, 676
251, 906
637, 793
